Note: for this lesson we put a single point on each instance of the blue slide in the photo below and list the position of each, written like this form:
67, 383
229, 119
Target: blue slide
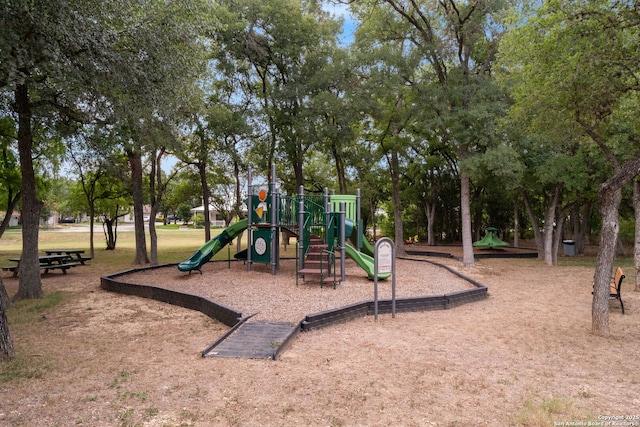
209, 249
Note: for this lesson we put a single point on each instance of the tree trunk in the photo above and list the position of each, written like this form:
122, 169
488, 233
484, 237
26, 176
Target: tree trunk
135, 162
92, 214
12, 201
610, 196
109, 234
465, 215
6, 343
549, 221
5, 301
30, 284
516, 224
340, 172
156, 190
636, 246
557, 239
397, 214
430, 212
580, 222
609, 203
202, 171
534, 224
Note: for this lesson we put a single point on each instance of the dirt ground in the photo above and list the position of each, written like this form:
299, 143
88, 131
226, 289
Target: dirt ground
524, 356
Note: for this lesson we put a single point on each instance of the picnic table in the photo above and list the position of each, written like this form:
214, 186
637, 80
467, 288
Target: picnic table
47, 262
73, 254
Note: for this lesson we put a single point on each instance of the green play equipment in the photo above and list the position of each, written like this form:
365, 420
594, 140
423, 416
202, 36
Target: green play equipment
209, 249
322, 224
490, 240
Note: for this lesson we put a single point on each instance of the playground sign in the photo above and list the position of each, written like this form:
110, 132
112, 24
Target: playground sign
384, 261
385, 252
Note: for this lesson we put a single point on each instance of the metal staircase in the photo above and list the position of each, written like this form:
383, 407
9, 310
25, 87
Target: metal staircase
315, 257
319, 263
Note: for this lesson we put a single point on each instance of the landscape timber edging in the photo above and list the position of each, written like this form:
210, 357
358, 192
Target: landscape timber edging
234, 319
427, 303
226, 315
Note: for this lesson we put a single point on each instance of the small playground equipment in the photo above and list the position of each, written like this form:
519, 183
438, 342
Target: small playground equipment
490, 239
411, 240
321, 224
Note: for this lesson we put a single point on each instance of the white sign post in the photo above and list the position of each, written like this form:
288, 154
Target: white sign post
384, 261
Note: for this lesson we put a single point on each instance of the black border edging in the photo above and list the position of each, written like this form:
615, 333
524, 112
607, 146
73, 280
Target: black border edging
483, 255
234, 319
226, 315
287, 341
427, 303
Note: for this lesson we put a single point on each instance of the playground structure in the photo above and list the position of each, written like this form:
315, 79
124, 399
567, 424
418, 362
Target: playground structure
491, 240
321, 224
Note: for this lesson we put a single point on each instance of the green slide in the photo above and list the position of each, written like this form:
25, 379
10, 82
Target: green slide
364, 261
351, 230
209, 249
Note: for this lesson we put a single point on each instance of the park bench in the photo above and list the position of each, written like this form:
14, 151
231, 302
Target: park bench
73, 254
47, 262
62, 267
11, 268
615, 285
46, 267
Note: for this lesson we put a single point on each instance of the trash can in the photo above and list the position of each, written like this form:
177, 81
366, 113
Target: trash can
569, 247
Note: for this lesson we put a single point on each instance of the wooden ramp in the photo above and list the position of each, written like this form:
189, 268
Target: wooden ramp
255, 340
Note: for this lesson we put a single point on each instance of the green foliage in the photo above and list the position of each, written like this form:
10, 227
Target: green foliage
198, 221
23, 368
184, 212
548, 411
627, 231
27, 311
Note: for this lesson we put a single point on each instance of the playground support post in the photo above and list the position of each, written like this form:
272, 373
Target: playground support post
274, 223
301, 226
343, 273
358, 219
327, 214
249, 220
327, 221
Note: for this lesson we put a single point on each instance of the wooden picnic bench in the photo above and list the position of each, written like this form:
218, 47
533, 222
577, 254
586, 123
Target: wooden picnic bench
47, 262
74, 254
11, 268
615, 285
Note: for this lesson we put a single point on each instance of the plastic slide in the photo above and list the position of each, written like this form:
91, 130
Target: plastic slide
364, 261
367, 248
209, 249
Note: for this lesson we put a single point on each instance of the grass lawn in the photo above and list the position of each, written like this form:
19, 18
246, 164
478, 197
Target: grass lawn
174, 245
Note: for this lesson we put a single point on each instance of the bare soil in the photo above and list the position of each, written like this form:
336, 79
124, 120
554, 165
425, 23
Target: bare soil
525, 356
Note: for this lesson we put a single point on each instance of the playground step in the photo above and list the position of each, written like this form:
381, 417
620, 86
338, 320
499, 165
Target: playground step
315, 274
313, 262
316, 255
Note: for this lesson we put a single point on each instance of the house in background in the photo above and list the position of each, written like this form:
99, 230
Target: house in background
14, 221
214, 218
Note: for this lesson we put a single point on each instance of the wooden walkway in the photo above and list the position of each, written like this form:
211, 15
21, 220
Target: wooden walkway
255, 340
